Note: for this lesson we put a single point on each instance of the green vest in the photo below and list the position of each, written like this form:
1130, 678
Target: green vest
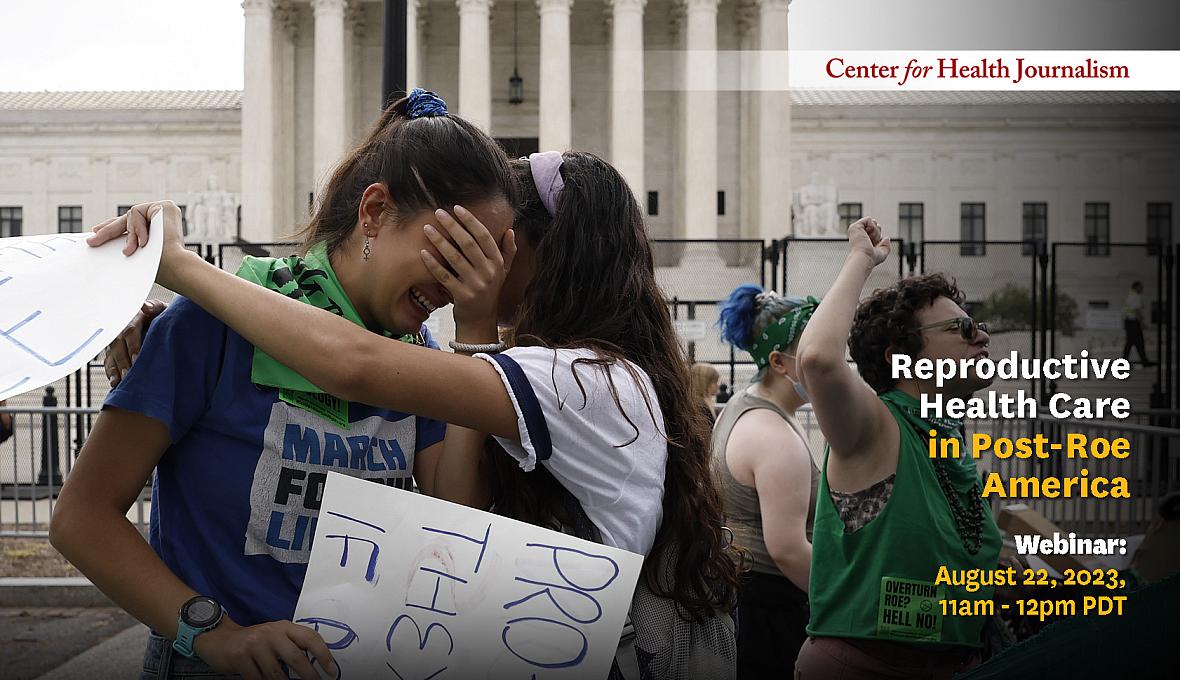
878, 582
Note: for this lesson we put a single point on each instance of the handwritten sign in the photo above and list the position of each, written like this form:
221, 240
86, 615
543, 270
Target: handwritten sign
402, 585
62, 301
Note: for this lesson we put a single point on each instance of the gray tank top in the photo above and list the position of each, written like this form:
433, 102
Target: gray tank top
742, 513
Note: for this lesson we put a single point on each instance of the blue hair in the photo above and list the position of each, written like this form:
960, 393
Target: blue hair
738, 312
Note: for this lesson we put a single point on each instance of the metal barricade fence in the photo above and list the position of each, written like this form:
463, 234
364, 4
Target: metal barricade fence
1000, 282
1065, 293
1152, 470
1092, 280
33, 464
809, 266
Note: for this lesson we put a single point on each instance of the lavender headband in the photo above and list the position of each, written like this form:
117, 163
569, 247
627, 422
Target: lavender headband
546, 169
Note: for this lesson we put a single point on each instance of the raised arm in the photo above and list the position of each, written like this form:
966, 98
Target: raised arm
849, 413
339, 357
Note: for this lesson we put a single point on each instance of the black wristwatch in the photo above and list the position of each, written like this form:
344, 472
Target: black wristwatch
199, 615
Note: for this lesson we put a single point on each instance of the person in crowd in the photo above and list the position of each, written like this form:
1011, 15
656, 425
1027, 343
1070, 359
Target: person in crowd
592, 403
887, 515
768, 479
723, 394
1133, 324
6, 425
211, 412
706, 382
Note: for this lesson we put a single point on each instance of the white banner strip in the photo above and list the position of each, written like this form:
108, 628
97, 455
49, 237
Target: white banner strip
928, 70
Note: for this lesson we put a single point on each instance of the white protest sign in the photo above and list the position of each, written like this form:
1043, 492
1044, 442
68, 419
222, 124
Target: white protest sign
62, 301
402, 585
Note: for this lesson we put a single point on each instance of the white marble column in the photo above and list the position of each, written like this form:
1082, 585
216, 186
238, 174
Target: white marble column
475, 59
747, 26
258, 123
417, 45
554, 104
774, 129
328, 106
699, 164
413, 77
626, 95
290, 207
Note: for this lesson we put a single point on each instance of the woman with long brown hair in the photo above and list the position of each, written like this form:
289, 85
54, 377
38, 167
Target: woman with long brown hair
595, 389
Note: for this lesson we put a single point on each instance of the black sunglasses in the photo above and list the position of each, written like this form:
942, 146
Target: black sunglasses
966, 326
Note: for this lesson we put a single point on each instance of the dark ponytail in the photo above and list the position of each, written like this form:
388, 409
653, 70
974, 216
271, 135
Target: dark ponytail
426, 162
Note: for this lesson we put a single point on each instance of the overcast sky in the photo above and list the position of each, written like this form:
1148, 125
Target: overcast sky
197, 44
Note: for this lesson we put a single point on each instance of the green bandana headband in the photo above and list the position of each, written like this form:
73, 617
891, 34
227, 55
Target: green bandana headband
309, 279
782, 333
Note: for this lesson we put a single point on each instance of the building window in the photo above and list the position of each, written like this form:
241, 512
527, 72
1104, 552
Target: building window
972, 230
720, 202
911, 222
69, 219
1036, 228
849, 213
11, 221
653, 203
1159, 226
1098, 229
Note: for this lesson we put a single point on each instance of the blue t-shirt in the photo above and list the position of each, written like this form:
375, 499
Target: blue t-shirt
236, 496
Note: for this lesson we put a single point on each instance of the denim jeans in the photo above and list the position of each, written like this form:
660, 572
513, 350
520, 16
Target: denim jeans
162, 662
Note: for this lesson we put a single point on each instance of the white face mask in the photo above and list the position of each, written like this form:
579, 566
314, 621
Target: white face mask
799, 389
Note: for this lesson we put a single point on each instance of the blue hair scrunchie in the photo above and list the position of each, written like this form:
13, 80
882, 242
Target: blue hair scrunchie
425, 104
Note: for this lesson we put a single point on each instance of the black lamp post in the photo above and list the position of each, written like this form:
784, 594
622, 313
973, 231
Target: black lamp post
393, 80
515, 83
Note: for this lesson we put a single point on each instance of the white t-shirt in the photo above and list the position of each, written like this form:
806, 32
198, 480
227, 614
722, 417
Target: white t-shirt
580, 439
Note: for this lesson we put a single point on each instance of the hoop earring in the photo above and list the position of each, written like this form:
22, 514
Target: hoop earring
366, 251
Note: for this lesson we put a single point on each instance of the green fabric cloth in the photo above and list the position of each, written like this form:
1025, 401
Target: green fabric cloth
878, 582
782, 333
963, 476
308, 278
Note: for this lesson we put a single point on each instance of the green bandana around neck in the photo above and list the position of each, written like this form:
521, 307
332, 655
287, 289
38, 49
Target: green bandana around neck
782, 333
309, 279
964, 475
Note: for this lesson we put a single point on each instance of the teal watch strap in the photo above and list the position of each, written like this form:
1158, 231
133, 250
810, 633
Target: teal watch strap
199, 615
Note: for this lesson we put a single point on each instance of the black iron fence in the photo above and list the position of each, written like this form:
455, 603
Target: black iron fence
1042, 300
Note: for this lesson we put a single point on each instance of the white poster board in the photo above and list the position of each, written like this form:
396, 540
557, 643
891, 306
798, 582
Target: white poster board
62, 302
402, 585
